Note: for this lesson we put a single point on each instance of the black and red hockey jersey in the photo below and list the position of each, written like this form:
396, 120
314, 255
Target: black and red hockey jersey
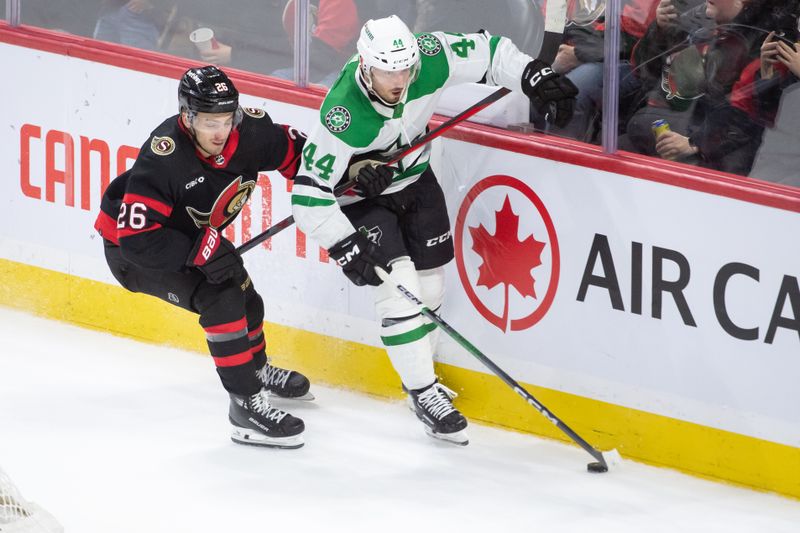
155, 211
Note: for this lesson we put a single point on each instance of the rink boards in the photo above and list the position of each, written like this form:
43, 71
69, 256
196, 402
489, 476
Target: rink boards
654, 311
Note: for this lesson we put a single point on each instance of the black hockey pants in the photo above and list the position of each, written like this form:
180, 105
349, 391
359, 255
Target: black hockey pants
231, 314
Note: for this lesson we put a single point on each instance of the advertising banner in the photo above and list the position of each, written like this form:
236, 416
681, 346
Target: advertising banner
625, 290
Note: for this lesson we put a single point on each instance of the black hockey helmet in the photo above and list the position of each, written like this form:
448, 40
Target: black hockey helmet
207, 90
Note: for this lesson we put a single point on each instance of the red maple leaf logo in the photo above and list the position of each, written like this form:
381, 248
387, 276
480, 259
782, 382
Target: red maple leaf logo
506, 259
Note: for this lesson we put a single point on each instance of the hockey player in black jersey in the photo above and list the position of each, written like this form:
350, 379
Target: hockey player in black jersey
162, 221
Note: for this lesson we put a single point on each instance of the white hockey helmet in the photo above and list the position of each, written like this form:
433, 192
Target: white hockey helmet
387, 44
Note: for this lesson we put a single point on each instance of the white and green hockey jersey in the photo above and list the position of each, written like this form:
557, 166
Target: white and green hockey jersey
351, 123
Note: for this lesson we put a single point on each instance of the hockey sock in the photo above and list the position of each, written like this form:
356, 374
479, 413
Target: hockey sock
230, 349
404, 331
255, 335
432, 284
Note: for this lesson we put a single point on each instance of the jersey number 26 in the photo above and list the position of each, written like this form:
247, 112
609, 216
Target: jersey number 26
133, 218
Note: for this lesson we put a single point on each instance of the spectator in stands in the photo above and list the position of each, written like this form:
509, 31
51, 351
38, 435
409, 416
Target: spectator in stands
248, 33
334, 28
135, 23
777, 96
706, 77
668, 62
581, 55
778, 67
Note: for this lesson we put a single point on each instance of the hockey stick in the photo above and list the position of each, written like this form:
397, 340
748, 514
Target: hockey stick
555, 19
603, 458
394, 157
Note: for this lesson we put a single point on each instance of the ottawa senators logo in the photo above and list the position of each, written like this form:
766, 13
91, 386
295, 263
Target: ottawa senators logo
227, 205
254, 112
162, 145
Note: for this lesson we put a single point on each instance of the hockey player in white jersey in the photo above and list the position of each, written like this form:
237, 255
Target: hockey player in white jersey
396, 216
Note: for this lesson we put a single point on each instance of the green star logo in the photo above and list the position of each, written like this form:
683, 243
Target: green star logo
337, 119
428, 44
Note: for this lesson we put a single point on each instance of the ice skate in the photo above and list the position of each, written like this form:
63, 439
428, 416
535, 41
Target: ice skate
434, 407
283, 383
257, 423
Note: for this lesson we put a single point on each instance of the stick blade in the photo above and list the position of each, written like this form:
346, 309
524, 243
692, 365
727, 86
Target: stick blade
612, 458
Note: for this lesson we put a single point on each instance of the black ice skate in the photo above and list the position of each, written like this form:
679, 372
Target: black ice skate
434, 407
256, 422
284, 383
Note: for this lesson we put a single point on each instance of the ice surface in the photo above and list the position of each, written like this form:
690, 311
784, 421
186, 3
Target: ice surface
112, 435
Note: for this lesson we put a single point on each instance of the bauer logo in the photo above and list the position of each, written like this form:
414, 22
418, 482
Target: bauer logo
428, 44
338, 119
162, 145
507, 252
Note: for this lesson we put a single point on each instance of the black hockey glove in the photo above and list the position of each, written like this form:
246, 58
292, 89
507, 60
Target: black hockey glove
373, 179
216, 257
358, 256
551, 94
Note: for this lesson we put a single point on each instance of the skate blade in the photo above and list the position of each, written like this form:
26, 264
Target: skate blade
255, 438
459, 437
307, 397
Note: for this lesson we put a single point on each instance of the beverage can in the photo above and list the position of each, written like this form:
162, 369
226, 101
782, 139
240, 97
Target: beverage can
659, 126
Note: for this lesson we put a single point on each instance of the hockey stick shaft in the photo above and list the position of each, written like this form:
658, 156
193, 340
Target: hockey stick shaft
554, 21
499, 372
395, 156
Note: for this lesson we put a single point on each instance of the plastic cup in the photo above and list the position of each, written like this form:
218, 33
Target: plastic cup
203, 39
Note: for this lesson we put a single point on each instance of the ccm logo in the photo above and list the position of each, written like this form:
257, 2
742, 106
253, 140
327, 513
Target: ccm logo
194, 182
210, 244
437, 240
349, 256
537, 76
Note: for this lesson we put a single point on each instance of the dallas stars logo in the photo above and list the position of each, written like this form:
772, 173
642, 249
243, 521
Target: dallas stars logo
428, 44
338, 119
373, 234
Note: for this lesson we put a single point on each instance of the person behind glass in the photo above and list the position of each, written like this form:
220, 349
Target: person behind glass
713, 68
777, 66
247, 33
780, 59
334, 27
668, 61
777, 100
730, 132
162, 221
135, 23
580, 58
397, 215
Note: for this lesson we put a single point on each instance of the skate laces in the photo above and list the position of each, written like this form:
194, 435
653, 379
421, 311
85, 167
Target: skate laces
437, 400
259, 403
272, 375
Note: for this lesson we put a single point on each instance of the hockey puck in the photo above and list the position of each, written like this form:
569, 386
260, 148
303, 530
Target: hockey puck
597, 468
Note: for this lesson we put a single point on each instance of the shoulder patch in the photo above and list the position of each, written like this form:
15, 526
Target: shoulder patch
428, 44
254, 112
338, 119
162, 145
